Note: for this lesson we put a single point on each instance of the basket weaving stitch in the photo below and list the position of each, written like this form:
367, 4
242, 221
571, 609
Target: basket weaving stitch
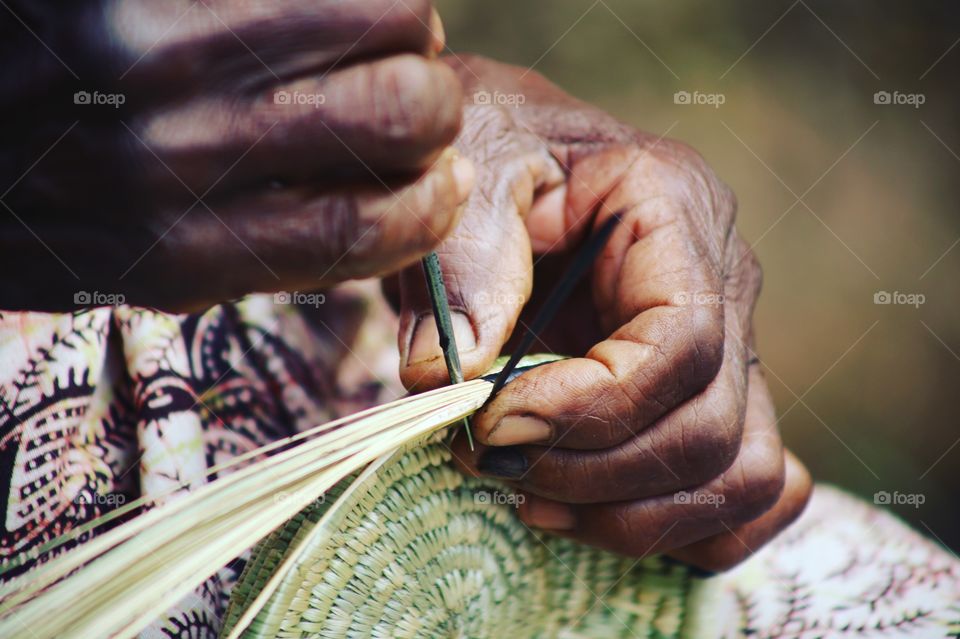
412, 549
409, 549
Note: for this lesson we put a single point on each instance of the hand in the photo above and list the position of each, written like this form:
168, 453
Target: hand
659, 435
211, 149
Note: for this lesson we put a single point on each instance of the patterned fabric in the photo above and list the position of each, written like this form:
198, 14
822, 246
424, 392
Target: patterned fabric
100, 407
845, 569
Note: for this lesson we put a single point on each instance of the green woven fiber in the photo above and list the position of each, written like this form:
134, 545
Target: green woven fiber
408, 550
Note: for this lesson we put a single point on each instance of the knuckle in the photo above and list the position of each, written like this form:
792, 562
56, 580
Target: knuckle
402, 83
714, 444
417, 101
683, 171
642, 390
341, 225
705, 346
359, 234
758, 489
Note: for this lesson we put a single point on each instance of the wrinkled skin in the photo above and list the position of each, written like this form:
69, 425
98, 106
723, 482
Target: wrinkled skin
662, 395
201, 186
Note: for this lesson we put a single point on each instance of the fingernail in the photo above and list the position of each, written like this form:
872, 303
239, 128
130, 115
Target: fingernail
548, 514
508, 463
519, 429
463, 175
425, 343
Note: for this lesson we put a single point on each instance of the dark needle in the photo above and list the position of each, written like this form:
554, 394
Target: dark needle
583, 260
441, 314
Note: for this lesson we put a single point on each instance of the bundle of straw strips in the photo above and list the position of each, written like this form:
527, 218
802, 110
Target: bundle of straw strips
121, 580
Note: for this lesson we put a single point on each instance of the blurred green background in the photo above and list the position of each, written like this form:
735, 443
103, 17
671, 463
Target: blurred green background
867, 392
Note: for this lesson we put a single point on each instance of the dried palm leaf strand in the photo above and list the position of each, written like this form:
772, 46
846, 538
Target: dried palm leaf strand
181, 542
150, 499
234, 512
13, 592
230, 541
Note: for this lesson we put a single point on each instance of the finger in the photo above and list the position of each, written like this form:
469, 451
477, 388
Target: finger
289, 240
174, 48
658, 290
691, 445
743, 493
688, 447
722, 552
486, 262
370, 122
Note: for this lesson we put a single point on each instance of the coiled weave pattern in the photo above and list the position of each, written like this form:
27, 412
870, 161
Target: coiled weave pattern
412, 548
415, 549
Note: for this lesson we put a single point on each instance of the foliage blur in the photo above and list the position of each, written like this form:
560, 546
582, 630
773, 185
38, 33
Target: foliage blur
843, 198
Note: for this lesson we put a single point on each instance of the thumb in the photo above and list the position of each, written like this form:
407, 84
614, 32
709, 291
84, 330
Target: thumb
486, 267
486, 261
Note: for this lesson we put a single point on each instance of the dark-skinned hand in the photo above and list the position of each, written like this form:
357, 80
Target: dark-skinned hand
659, 434
177, 153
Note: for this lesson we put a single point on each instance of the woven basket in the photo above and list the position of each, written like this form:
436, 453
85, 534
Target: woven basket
412, 548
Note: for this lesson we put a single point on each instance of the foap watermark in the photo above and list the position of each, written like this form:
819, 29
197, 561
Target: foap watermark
96, 98
899, 99
500, 299
299, 98
885, 298
98, 298
698, 498
698, 98
301, 499
896, 498
110, 500
497, 498
298, 298
498, 98
686, 298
